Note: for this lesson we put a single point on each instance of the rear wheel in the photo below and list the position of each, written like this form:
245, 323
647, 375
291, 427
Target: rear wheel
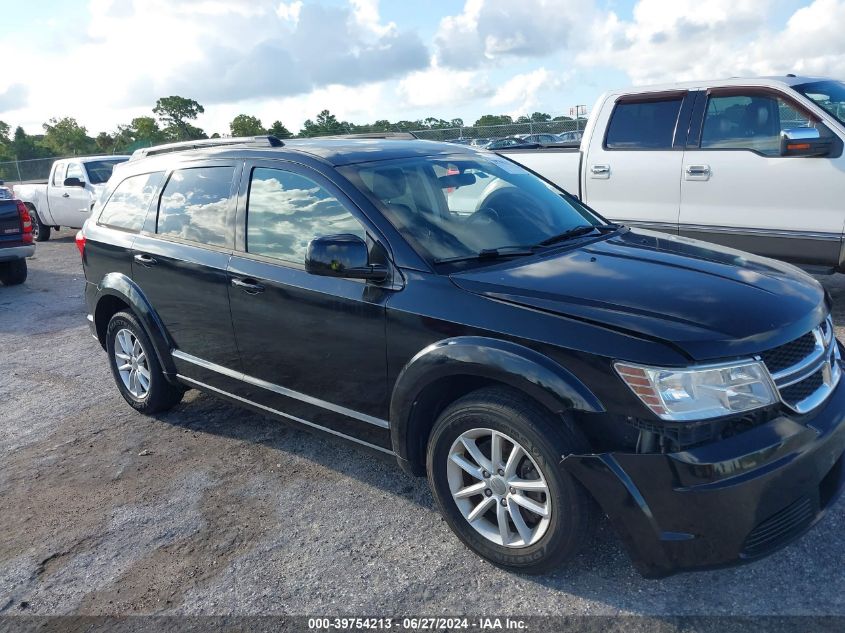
40, 232
13, 273
493, 468
135, 367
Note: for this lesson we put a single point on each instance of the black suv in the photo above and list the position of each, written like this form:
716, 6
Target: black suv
443, 305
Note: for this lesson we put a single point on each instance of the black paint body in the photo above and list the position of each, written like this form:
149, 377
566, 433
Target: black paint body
374, 361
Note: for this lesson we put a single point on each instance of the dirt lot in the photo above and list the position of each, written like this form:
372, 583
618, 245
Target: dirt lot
210, 509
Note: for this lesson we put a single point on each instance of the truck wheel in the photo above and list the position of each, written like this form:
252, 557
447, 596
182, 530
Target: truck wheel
40, 232
493, 468
135, 367
13, 273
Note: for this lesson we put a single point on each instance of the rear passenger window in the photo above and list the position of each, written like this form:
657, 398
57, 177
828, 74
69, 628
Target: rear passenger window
127, 207
59, 174
196, 205
643, 125
286, 211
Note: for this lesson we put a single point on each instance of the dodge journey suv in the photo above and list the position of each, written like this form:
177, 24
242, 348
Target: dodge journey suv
445, 306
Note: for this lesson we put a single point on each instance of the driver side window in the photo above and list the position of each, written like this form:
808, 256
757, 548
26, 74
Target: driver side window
752, 121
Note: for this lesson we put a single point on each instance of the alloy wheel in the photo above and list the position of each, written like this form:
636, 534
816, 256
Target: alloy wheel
131, 361
499, 488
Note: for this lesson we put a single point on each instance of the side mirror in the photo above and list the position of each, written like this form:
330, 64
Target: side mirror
73, 182
344, 256
804, 141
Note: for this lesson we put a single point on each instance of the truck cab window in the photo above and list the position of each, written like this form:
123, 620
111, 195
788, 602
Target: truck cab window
74, 170
196, 206
59, 174
644, 124
753, 121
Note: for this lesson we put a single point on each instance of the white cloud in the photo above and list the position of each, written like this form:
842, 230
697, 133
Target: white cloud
289, 11
442, 88
520, 93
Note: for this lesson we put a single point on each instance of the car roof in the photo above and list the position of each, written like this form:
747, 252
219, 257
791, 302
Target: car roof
88, 159
768, 81
335, 151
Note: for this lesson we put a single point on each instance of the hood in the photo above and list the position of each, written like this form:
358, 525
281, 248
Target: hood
709, 301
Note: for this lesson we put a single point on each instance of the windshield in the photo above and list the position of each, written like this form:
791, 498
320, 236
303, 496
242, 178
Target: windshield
829, 95
461, 205
99, 171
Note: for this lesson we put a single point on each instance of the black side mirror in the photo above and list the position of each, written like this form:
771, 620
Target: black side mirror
804, 141
73, 182
344, 256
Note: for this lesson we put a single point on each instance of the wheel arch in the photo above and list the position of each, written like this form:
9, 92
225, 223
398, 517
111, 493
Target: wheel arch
117, 292
452, 368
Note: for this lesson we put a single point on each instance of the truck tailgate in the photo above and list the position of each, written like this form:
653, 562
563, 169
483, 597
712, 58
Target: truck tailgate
10, 221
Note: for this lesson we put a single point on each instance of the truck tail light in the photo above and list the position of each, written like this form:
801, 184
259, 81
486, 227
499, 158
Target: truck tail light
26, 223
80, 243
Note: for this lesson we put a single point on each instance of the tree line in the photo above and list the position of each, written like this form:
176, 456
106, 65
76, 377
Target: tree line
172, 120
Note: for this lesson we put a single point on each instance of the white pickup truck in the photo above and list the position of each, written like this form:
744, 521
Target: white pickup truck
756, 164
67, 196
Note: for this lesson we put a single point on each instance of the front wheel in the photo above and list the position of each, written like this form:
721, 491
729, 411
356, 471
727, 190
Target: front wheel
493, 468
13, 273
135, 367
40, 232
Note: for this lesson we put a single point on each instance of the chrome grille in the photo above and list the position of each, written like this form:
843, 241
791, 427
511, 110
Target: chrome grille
805, 370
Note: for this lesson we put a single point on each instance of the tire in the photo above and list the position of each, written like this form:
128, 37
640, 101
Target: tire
13, 273
40, 231
545, 542
157, 394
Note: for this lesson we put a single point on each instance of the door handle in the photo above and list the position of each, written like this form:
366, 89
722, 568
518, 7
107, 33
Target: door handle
600, 171
250, 286
697, 172
65, 195
145, 260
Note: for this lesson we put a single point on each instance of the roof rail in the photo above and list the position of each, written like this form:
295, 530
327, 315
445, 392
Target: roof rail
408, 136
240, 141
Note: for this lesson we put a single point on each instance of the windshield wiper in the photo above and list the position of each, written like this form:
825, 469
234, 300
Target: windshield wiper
582, 229
490, 253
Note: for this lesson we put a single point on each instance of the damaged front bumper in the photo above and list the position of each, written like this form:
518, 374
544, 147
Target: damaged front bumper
724, 503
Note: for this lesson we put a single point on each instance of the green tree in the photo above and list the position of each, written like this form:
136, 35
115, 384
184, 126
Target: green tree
325, 124
279, 130
175, 113
539, 117
494, 119
65, 137
105, 142
246, 125
25, 146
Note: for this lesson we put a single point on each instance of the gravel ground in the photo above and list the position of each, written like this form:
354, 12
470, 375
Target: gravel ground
212, 510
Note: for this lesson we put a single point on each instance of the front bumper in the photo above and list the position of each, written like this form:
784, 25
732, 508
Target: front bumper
724, 503
16, 252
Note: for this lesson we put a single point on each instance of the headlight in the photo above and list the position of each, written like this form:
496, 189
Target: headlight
701, 392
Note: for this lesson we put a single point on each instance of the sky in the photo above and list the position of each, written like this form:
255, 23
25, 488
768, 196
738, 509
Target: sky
104, 62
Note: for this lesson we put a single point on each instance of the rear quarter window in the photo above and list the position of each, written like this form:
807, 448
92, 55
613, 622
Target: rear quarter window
127, 206
643, 124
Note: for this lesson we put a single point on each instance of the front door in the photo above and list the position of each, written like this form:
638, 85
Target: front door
633, 173
71, 205
312, 347
738, 190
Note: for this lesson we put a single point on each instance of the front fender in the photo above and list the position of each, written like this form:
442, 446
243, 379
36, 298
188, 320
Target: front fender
122, 287
506, 362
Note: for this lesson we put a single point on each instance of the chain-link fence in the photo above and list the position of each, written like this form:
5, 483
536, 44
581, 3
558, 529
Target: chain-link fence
26, 170
492, 132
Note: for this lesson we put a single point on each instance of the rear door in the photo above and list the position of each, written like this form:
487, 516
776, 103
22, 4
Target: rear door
180, 260
312, 347
739, 191
633, 172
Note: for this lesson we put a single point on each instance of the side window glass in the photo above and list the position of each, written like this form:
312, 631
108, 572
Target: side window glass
59, 174
752, 121
286, 211
196, 205
643, 125
74, 170
127, 207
